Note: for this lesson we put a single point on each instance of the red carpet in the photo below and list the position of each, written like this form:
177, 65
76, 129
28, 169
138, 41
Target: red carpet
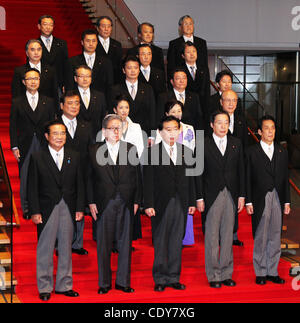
70, 21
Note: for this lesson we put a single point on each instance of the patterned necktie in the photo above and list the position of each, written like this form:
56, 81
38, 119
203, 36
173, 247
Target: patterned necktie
193, 72
181, 98
90, 62
146, 74
71, 128
86, 99
33, 103
105, 45
58, 161
221, 146
48, 45
133, 92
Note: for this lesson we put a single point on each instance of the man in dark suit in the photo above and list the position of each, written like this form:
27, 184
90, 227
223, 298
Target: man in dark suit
29, 112
268, 197
221, 191
238, 129
102, 76
55, 50
92, 103
150, 74
114, 194
186, 29
145, 33
224, 80
169, 195
108, 46
141, 96
48, 81
78, 138
192, 110
56, 200
198, 75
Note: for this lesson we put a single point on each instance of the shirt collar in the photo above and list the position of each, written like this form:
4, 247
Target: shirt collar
188, 38
217, 139
67, 120
53, 152
44, 39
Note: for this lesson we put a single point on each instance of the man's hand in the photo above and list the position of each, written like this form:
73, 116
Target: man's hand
94, 211
79, 216
287, 209
150, 212
192, 210
135, 208
249, 209
17, 154
36, 218
241, 204
200, 206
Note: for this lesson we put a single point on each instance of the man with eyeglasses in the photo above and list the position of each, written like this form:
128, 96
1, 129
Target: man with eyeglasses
186, 30
56, 201
102, 69
109, 47
28, 114
114, 195
92, 102
48, 80
55, 50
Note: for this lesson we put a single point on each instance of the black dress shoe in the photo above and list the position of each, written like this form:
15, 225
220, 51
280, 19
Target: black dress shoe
229, 282
26, 215
275, 279
45, 296
177, 286
159, 288
260, 280
114, 250
127, 289
69, 293
104, 290
215, 284
238, 243
80, 251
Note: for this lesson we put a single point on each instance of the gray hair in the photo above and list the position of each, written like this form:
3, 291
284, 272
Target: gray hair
31, 41
182, 18
108, 118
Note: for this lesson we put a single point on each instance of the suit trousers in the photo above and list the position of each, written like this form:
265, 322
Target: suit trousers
167, 242
218, 238
59, 227
267, 241
114, 225
78, 235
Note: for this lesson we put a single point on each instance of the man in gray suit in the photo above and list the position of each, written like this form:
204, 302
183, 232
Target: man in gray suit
56, 200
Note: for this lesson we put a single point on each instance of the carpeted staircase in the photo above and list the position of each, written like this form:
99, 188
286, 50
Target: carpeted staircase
22, 17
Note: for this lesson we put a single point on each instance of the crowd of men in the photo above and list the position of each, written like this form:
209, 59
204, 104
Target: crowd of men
68, 135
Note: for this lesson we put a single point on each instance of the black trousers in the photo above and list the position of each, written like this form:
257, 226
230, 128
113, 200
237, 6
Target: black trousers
167, 242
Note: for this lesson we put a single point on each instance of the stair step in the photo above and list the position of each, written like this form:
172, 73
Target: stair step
8, 282
288, 244
5, 258
3, 222
15, 298
4, 238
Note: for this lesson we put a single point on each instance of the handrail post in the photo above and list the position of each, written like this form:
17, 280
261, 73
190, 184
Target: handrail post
297, 92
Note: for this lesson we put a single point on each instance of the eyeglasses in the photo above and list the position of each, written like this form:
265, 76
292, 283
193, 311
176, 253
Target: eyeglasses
32, 79
118, 129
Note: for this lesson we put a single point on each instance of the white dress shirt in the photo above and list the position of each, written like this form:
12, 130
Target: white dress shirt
33, 98
47, 41
218, 143
70, 124
113, 150
85, 95
268, 149
186, 39
58, 156
231, 123
173, 149
105, 43
146, 72
90, 59
38, 66
190, 69
178, 96
131, 87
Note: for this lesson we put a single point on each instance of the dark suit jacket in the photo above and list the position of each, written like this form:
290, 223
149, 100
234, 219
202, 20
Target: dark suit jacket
48, 82
222, 171
157, 56
24, 122
175, 49
192, 110
163, 182
115, 56
142, 109
157, 80
102, 74
103, 183
263, 176
47, 185
96, 111
57, 57
201, 85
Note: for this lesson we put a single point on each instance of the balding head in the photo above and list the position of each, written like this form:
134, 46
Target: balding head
229, 101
